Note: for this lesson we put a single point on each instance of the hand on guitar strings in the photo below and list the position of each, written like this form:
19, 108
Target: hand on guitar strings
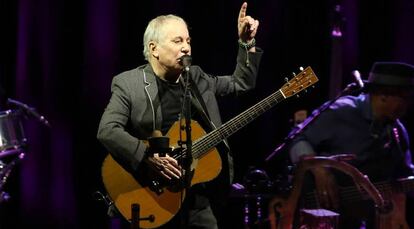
326, 188
166, 167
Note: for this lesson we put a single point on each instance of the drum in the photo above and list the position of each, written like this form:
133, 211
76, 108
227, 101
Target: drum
11, 131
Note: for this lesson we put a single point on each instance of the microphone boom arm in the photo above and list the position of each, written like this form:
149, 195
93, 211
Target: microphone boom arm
29, 111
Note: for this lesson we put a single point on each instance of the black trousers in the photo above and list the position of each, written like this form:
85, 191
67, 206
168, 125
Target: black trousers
195, 213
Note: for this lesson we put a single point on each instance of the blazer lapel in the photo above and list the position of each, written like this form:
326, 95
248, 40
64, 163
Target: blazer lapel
151, 89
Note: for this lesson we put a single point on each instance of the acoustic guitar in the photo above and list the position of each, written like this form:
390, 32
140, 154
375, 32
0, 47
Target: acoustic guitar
392, 192
164, 201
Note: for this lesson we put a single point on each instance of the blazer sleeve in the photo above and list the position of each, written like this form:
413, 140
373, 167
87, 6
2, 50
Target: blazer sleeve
125, 148
244, 75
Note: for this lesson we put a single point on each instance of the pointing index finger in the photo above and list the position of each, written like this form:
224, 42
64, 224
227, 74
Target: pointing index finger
243, 10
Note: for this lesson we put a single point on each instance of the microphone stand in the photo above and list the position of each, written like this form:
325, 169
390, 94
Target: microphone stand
187, 116
188, 157
349, 89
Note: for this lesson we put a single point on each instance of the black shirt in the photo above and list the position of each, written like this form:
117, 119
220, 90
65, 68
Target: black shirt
171, 97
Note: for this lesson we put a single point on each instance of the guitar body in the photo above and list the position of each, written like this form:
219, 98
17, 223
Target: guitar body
125, 190
282, 212
395, 219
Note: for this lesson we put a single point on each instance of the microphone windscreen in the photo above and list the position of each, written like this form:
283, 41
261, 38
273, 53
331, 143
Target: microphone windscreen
186, 60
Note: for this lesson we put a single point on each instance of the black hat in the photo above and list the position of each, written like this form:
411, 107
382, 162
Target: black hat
391, 74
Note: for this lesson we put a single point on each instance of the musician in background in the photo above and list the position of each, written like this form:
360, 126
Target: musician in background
147, 100
368, 127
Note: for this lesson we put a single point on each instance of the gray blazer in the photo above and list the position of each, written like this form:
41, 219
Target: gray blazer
134, 110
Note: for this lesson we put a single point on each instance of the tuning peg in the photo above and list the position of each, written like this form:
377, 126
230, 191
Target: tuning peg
286, 79
297, 96
293, 74
301, 68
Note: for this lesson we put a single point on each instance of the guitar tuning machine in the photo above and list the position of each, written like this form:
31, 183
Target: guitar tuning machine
286, 79
301, 68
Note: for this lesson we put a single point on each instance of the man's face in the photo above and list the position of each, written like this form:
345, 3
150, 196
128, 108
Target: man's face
398, 104
174, 43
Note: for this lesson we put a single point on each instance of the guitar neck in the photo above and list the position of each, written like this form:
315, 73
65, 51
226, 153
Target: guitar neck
298, 83
351, 193
407, 185
401, 185
213, 138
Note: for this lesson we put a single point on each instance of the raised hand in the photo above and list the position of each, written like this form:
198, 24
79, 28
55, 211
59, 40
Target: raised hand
247, 26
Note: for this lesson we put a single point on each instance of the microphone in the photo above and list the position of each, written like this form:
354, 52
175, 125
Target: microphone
186, 62
29, 110
357, 78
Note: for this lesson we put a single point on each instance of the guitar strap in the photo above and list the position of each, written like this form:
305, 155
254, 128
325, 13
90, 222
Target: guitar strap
398, 136
198, 102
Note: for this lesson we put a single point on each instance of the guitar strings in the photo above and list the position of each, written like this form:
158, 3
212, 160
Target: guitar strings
238, 121
258, 109
208, 141
352, 194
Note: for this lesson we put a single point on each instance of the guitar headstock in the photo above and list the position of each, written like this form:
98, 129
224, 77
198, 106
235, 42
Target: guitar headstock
299, 82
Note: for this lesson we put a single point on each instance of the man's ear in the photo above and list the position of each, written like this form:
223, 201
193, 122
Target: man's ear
153, 47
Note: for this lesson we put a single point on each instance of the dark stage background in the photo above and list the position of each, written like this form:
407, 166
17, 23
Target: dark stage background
60, 56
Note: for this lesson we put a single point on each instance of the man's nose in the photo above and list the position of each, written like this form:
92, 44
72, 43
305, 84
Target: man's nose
185, 49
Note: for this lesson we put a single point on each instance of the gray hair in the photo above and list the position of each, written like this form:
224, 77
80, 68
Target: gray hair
154, 31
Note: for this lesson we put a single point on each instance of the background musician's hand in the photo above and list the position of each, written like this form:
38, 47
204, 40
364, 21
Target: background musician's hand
326, 188
166, 166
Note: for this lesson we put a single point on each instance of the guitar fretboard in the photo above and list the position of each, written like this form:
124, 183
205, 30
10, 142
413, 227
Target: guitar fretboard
297, 84
351, 193
213, 138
